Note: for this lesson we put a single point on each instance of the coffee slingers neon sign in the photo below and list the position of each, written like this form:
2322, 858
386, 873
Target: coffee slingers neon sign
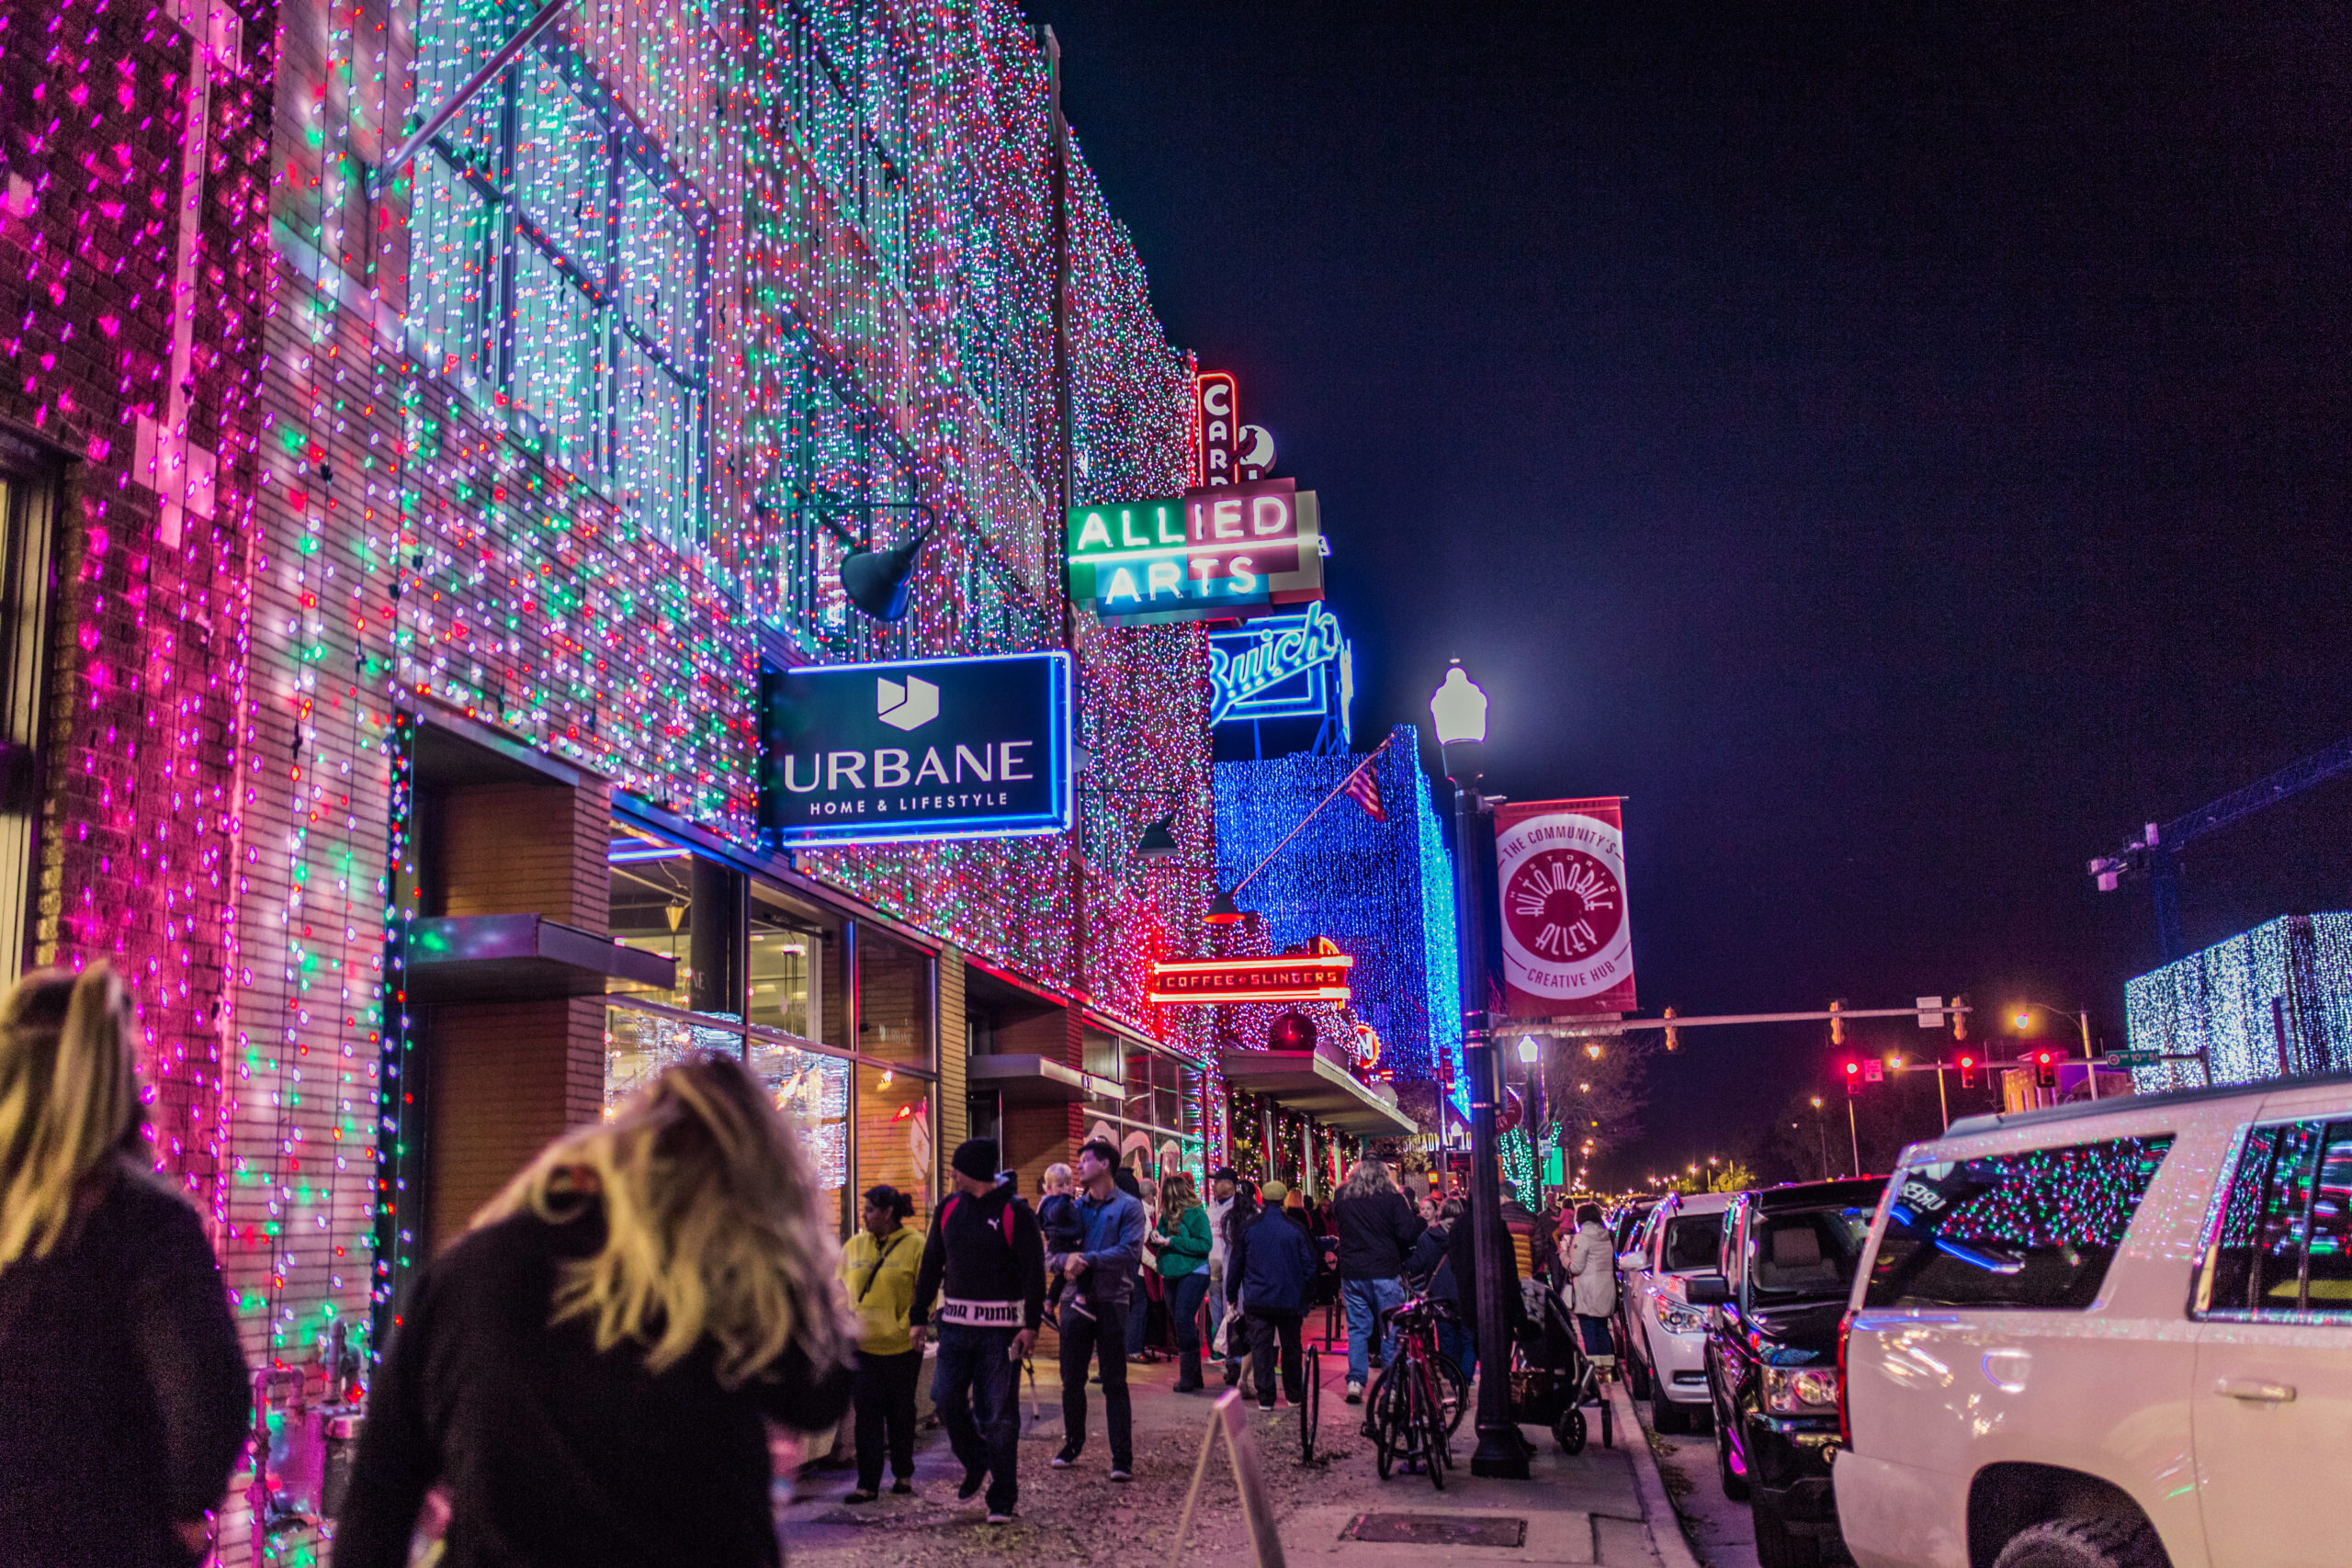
1317, 977
1244, 664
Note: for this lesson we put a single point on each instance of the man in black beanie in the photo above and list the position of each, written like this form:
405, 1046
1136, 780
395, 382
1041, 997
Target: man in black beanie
985, 1250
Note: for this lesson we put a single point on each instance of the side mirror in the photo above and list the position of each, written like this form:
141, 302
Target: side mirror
1629, 1261
1706, 1289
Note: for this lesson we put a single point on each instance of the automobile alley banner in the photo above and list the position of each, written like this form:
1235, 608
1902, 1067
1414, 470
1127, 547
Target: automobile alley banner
1567, 939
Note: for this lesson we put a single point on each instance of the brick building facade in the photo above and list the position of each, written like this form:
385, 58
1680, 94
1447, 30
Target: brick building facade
397, 552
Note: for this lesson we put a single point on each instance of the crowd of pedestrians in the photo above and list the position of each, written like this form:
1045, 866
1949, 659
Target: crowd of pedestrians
591, 1373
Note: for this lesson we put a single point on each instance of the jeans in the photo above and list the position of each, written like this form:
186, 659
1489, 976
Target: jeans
1595, 1336
1215, 1274
975, 1388
1138, 1313
1185, 1297
884, 1394
1459, 1344
1365, 1299
1268, 1332
1104, 1337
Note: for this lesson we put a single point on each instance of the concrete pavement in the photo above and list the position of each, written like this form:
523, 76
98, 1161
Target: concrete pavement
1580, 1509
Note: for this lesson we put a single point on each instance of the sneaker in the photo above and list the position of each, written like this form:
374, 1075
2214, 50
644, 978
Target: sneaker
1064, 1459
1080, 1308
973, 1481
998, 1518
861, 1496
1265, 1404
902, 1487
1355, 1392
1120, 1473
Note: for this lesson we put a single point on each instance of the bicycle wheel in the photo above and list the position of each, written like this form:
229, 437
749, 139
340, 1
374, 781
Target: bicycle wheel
1430, 1413
1456, 1390
1380, 1422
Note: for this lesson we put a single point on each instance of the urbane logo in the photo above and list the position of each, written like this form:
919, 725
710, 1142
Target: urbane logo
908, 707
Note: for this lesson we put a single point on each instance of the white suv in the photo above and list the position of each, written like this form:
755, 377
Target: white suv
1682, 1238
2110, 1336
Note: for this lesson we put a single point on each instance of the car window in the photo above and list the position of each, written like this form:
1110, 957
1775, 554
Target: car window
1692, 1243
2033, 1229
1803, 1255
2282, 1247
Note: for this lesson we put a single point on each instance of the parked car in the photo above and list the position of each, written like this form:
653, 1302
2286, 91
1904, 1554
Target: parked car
1666, 1334
1789, 1260
2114, 1334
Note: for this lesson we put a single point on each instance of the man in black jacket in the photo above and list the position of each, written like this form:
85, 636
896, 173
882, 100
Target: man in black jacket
985, 1249
1268, 1275
1377, 1228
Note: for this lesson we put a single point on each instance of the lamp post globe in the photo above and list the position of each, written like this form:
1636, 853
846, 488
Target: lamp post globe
1458, 714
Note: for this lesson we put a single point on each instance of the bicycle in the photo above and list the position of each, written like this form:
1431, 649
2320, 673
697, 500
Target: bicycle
1419, 1398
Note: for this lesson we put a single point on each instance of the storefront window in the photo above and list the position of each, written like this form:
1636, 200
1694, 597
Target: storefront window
652, 905
787, 966
813, 1091
893, 1001
894, 1133
639, 1043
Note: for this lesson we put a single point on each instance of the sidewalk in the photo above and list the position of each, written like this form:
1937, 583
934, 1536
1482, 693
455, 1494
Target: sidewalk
1577, 1510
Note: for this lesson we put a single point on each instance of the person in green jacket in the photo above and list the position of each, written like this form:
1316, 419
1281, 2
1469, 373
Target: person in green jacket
879, 1266
1184, 1268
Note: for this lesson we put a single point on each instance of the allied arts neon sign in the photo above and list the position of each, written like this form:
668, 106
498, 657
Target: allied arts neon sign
1208, 555
1275, 668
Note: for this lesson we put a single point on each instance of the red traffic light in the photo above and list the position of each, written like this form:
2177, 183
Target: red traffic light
1853, 1077
1967, 1071
2045, 1070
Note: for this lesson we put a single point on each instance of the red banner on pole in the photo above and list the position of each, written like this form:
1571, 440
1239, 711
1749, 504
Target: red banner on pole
1567, 937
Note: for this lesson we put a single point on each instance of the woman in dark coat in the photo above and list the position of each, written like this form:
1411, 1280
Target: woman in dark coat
124, 1400
591, 1371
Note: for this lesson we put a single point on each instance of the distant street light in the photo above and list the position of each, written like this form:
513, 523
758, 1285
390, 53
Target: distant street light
2023, 1017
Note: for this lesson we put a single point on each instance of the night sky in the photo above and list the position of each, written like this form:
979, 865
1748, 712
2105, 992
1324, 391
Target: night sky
1900, 449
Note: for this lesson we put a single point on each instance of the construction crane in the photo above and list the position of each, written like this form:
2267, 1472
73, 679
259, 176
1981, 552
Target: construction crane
2157, 852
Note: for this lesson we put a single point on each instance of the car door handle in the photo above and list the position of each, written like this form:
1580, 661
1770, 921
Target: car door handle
2254, 1392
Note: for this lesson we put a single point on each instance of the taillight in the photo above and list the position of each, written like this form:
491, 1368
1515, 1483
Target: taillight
1845, 1381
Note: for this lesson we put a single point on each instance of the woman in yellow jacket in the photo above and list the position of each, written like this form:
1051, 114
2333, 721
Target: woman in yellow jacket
879, 1266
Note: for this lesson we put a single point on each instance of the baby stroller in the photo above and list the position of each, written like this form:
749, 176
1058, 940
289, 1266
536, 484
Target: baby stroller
1553, 1380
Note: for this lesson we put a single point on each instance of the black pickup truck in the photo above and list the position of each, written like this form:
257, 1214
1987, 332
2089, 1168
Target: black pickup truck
1788, 1265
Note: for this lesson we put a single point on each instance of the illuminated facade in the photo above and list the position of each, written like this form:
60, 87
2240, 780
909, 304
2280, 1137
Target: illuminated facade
2272, 1002
1381, 891
417, 554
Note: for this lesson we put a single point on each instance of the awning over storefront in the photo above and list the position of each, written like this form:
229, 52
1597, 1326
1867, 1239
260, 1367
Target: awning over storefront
520, 958
1315, 1083
1028, 1080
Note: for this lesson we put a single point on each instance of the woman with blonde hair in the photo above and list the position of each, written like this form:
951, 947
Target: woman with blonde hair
588, 1372
123, 1397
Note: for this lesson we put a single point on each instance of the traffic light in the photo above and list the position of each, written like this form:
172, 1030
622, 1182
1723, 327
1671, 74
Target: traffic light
1672, 1039
1967, 1071
1958, 1019
2045, 1069
1837, 1025
1853, 1077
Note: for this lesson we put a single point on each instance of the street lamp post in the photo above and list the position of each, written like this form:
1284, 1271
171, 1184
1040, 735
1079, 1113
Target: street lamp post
1458, 709
1821, 1135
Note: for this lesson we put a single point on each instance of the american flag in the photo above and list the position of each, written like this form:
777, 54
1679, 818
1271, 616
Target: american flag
1363, 788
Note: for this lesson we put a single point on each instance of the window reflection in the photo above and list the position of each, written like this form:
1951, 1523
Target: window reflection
652, 906
787, 959
894, 1133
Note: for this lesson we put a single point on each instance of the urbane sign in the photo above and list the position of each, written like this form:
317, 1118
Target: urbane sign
916, 749
1321, 976
1566, 938
1210, 554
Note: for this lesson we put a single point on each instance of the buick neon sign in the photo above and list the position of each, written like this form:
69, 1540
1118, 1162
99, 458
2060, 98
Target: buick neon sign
1275, 668
1320, 977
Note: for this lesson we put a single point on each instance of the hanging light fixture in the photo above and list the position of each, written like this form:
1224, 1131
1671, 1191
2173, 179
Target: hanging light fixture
1158, 840
876, 581
1223, 910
